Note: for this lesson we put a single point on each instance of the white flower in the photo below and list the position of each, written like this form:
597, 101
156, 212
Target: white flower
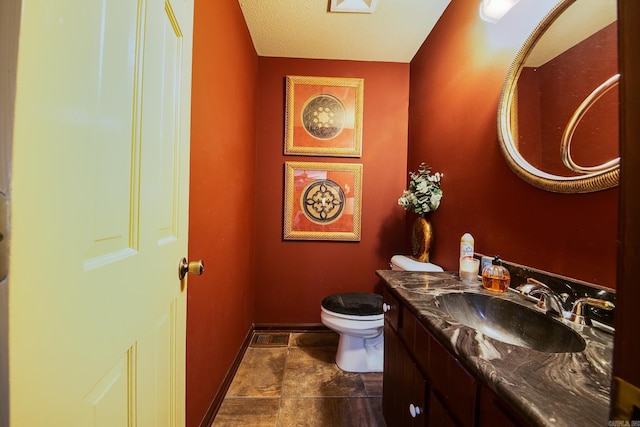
424, 193
435, 200
423, 187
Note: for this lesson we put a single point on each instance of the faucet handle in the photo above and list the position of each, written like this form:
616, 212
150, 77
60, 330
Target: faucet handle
530, 286
578, 313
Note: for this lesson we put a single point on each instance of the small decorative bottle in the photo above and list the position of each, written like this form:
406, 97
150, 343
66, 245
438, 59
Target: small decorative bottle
495, 277
466, 254
466, 246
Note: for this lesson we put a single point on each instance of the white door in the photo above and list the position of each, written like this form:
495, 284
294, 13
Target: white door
99, 204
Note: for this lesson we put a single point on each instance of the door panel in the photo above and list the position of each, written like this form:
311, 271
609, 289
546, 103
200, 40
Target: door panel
100, 208
113, 144
108, 400
170, 127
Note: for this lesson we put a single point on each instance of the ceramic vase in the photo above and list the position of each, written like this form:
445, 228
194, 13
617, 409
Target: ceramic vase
421, 237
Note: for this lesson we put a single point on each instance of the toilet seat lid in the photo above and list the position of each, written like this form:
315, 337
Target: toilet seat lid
408, 264
354, 303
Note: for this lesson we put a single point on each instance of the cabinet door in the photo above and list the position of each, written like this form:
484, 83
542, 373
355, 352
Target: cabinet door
403, 388
456, 388
462, 393
438, 415
494, 412
413, 401
391, 308
391, 376
407, 329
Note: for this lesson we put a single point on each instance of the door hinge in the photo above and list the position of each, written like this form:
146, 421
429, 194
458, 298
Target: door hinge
4, 241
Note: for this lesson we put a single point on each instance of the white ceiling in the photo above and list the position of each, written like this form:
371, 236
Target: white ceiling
306, 29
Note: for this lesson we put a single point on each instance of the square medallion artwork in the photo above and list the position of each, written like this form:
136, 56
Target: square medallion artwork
324, 116
322, 201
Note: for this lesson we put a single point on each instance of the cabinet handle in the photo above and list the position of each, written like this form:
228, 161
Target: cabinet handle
386, 307
414, 410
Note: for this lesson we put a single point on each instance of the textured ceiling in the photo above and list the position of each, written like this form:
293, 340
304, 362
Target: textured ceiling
305, 29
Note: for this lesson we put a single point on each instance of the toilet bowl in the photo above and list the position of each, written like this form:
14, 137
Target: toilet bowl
358, 318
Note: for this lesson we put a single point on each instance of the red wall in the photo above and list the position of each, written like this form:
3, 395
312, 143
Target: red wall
456, 80
292, 277
223, 165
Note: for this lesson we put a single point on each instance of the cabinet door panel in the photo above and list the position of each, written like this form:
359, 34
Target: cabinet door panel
413, 402
439, 368
391, 376
438, 416
494, 412
421, 347
391, 309
403, 385
407, 329
463, 390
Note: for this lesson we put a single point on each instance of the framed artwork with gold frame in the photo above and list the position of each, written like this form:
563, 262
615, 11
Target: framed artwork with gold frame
322, 201
324, 116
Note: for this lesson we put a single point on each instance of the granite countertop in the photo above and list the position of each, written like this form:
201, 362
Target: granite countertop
548, 389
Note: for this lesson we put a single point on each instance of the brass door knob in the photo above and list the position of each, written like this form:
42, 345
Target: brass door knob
193, 267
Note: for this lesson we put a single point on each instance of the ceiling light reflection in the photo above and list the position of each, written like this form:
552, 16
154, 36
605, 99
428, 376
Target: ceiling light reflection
494, 10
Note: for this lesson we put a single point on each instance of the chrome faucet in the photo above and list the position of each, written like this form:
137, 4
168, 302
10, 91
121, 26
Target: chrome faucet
551, 301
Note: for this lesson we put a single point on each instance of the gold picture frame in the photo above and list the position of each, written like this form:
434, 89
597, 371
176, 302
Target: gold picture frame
322, 201
324, 116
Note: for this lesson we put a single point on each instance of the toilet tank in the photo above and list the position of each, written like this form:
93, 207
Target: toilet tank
402, 262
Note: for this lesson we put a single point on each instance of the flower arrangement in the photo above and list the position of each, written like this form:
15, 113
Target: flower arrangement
424, 192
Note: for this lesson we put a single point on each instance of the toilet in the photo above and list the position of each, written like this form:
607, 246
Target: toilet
358, 318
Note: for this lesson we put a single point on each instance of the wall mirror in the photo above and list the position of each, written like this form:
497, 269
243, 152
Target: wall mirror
558, 111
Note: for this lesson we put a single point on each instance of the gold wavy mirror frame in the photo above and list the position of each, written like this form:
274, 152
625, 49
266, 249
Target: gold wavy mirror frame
567, 137
583, 181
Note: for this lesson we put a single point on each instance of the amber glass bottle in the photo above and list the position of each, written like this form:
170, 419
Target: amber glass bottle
495, 277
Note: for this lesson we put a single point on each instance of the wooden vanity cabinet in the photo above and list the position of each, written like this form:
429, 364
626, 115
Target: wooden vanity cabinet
421, 373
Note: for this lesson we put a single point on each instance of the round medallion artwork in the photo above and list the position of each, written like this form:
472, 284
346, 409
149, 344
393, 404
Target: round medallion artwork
322, 201
323, 116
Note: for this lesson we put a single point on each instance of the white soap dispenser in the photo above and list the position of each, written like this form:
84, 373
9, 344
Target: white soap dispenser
468, 267
466, 246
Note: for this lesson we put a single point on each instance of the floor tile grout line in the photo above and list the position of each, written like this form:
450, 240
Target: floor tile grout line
284, 373
329, 397
306, 396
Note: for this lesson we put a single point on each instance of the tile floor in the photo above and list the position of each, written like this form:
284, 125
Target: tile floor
300, 385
